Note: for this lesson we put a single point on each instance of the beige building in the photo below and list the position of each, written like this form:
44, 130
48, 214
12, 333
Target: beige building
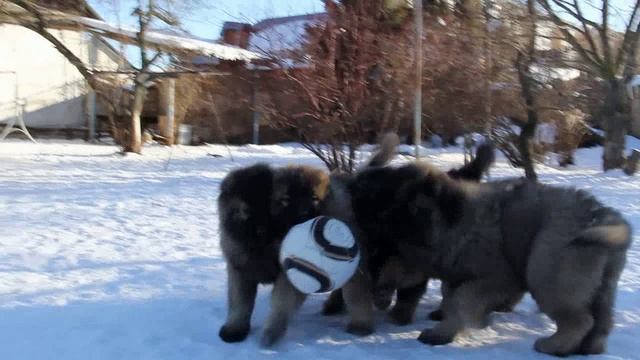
35, 73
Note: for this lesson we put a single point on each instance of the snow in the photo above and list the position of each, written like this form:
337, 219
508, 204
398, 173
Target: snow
111, 257
546, 74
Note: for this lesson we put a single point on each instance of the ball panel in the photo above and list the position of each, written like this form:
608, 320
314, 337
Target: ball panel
330, 235
298, 267
319, 266
303, 282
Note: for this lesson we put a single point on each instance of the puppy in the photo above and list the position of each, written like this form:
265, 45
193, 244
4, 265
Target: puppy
386, 270
492, 241
257, 206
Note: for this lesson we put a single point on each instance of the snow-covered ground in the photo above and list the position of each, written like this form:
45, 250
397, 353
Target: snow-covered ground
111, 257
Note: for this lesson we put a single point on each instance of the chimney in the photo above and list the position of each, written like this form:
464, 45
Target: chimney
236, 33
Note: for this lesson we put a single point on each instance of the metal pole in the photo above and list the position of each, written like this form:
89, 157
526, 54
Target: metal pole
417, 115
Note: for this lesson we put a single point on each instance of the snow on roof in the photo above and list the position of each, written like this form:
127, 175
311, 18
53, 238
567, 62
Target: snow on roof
173, 42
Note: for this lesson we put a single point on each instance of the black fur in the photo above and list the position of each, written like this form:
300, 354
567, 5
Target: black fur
257, 206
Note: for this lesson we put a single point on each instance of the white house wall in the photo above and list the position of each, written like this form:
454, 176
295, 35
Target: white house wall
53, 90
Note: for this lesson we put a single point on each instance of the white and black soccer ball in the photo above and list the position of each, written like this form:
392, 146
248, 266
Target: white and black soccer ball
319, 255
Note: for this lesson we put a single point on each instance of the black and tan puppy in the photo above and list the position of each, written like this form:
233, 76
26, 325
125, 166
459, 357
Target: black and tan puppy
492, 241
257, 206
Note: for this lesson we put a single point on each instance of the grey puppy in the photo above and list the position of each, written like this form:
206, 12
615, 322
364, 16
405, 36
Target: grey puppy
493, 241
387, 272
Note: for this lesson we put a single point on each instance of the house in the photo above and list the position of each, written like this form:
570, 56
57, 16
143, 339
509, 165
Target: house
42, 85
35, 76
235, 97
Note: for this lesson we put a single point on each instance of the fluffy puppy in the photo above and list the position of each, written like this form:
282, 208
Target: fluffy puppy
493, 241
257, 206
375, 196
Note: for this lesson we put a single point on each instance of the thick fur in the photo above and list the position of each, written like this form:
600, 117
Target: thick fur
490, 242
375, 195
257, 206
485, 156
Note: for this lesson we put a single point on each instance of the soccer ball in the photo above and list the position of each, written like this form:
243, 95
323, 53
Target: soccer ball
319, 255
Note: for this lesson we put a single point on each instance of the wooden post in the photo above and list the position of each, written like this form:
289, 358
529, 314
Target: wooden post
91, 114
170, 98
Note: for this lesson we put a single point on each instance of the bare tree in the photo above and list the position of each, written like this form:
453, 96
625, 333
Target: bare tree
142, 78
603, 56
346, 80
525, 59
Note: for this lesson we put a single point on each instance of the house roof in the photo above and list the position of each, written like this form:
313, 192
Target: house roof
75, 7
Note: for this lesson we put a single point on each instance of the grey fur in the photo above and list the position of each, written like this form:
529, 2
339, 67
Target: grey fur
386, 151
394, 275
562, 245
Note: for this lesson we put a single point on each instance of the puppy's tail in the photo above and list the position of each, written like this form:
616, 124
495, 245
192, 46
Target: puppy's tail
485, 156
386, 152
615, 235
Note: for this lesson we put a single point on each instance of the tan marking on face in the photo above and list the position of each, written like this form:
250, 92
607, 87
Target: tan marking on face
322, 187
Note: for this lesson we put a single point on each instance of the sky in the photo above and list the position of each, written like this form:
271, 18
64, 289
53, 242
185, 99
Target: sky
205, 19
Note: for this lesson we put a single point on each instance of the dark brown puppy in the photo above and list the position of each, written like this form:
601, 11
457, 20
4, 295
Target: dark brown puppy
493, 241
257, 206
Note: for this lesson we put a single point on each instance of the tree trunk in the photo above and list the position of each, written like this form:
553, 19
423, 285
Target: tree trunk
524, 144
615, 124
528, 130
135, 138
615, 128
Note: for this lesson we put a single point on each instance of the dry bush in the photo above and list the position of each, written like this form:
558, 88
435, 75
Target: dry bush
571, 129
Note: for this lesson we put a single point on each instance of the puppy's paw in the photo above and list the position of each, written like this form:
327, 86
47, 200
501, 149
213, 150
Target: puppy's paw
333, 307
551, 346
592, 346
436, 315
382, 302
401, 316
433, 337
360, 329
231, 334
271, 335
